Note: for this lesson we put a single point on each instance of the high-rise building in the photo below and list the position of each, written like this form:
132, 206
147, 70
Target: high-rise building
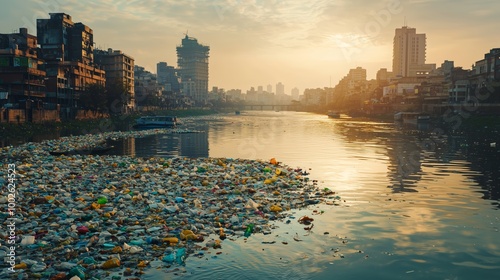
167, 77
269, 88
409, 50
119, 69
192, 63
295, 93
68, 51
280, 89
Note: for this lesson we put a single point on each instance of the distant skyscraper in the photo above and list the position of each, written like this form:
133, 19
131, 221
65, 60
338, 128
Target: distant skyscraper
280, 88
192, 62
295, 93
409, 50
269, 88
161, 72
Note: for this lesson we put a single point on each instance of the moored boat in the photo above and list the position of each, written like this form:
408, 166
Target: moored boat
156, 122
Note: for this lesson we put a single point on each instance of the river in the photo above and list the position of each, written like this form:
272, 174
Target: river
416, 204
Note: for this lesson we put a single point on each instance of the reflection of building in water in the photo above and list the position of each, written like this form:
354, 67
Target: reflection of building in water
404, 152
164, 145
129, 146
195, 144
405, 164
482, 151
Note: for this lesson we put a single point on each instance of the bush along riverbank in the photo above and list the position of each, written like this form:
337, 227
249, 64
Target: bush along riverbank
13, 134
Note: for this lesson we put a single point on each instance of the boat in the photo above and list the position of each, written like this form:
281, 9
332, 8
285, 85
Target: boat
156, 122
333, 114
412, 117
237, 112
86, 151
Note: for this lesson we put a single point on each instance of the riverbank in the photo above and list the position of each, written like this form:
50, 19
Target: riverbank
35, 132
466, 123
14, 134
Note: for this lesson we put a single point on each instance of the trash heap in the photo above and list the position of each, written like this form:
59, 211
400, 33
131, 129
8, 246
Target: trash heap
88, 217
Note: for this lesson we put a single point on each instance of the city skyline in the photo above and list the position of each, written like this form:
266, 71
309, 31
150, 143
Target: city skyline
303, 45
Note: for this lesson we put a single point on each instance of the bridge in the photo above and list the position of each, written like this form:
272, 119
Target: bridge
274, 107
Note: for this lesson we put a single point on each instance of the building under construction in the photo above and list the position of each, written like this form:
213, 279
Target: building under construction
192, 62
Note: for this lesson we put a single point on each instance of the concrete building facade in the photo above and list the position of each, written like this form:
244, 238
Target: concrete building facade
409, 49
119, 69
295, 93
68, 51
21, 78
167, 77
280, 89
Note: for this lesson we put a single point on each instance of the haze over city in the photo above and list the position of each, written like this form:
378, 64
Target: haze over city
252, 43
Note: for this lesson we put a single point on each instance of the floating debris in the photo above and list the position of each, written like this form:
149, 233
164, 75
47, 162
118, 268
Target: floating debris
96, 214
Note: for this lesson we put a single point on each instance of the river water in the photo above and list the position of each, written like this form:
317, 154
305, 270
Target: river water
416, 204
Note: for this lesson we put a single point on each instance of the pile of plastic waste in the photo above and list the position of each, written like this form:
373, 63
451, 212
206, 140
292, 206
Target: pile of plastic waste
82, 216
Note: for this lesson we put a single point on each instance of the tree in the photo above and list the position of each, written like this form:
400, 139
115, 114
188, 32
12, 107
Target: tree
94, 98
118, 96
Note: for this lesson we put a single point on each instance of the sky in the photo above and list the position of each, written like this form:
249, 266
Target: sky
303, 44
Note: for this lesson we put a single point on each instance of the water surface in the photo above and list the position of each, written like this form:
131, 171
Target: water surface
415, 204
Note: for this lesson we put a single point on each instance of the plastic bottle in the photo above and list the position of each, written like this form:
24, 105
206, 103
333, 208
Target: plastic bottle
111, 263
153, 240
171, 240
222, 235
77, 271
249, 230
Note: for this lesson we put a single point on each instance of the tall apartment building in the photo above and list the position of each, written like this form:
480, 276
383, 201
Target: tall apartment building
280, 89
409, 50
119, 69
68, 51
167, 77
295, 94
269, 88
192, 63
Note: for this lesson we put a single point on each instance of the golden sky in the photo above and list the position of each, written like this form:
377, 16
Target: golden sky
304, 44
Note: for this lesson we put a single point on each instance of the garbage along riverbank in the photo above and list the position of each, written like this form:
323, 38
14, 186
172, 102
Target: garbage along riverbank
84, 216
